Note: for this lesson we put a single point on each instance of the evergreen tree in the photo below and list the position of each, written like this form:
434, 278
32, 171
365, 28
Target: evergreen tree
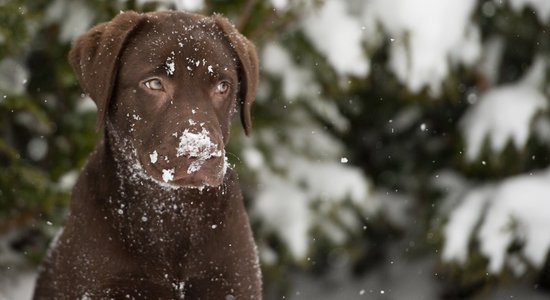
388, 134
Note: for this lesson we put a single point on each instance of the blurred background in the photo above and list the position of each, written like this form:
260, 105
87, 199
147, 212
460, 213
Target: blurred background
400, 147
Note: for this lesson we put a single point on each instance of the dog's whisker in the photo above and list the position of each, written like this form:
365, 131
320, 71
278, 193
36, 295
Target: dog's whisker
234, 155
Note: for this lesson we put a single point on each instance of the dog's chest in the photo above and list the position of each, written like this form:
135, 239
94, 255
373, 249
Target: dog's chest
153, 221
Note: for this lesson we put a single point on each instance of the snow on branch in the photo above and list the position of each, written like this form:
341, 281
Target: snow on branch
515, 210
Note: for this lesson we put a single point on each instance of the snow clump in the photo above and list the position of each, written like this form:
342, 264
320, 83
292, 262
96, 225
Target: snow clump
425, 35
74, 17
168, 175
170, 64
505, 113
190, 5
154, 157
514, 211
198, 146
344, 50
501, 115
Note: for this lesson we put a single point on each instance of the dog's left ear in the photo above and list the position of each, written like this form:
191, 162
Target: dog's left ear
249, 73
94, 57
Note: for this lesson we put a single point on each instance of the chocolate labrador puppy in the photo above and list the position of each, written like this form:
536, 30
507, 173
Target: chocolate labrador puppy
157, 213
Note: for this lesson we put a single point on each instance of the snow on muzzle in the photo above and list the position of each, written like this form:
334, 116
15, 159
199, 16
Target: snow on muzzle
198, 147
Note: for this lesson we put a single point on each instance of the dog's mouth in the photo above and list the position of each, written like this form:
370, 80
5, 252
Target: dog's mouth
198, 162
195, 173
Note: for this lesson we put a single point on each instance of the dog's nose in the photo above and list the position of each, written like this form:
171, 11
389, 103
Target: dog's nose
198, 147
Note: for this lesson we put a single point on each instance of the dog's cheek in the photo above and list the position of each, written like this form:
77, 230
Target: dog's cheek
131, 112
121, 119
226, 115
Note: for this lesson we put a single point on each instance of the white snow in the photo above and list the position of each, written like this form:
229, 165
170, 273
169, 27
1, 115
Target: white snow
297, 81
19, 285
85, 104
153, 157
306, 167
284, 208
280, 4
344, 47
284, 202
515, 209
13, 76
17, 278
194, 166
68, 180
75, 17
329, 180
191, 5
519, 210
168, 175
303, 166
170, 64
86, 296
253, 158
37, 148
195, 144
298, 84
198, 146
462, 222
427, 35
504, 113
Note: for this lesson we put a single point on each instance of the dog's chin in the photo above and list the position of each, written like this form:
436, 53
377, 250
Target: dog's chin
193, 183
211, 177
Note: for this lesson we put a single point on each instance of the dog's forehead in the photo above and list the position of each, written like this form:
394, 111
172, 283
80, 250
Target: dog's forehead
182, 39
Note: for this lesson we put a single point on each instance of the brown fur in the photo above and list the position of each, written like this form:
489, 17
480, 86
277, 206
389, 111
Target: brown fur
135, 230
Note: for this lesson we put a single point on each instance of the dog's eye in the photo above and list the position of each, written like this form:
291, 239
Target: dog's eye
154, 84
222, 87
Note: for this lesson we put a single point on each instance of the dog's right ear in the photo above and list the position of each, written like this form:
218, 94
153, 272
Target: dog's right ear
94, 58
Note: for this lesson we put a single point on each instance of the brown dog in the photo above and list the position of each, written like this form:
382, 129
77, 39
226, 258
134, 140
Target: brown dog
156, 213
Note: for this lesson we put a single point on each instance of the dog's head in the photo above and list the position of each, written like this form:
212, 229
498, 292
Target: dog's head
169, 83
